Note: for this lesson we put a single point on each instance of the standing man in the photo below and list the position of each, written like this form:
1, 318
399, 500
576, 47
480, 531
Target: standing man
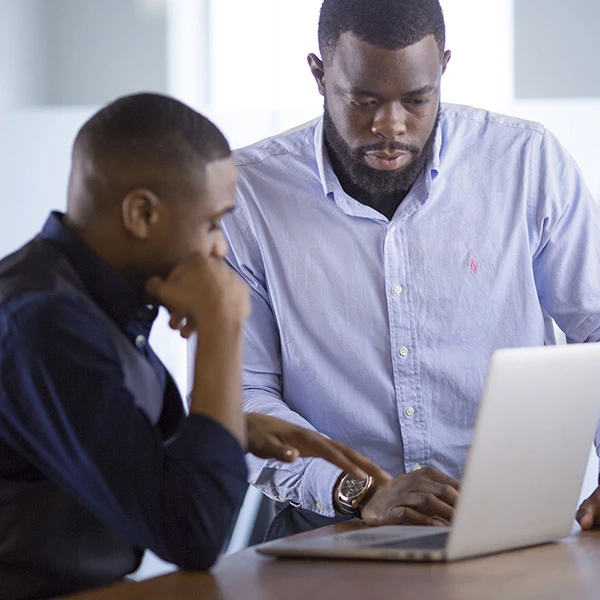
391, 246
98, 460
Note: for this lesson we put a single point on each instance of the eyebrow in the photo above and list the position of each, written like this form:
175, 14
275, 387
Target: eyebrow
426, 89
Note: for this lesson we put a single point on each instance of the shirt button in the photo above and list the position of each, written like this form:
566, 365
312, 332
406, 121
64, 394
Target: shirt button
410, 411
397, 290
392, 229
319, 506
417, 467
140, 341
403, 352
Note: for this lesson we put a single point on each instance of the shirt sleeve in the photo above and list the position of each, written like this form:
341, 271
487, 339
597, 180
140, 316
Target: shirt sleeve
64, 408
306, 482
565, 238
565, 226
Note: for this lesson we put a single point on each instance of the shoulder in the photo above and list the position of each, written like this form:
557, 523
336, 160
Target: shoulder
48, 322
461, 118
285, 146
477, 136
37, 266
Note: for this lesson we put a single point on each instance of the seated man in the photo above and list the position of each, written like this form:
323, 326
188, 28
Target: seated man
98, 460
391, 246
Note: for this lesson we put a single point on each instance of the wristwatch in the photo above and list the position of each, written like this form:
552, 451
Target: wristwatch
350, 494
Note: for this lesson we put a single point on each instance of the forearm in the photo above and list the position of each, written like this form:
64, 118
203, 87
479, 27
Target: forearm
82, 430
217, 387
205, 485
307, 482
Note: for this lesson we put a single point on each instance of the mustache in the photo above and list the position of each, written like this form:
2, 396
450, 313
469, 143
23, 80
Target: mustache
389, 147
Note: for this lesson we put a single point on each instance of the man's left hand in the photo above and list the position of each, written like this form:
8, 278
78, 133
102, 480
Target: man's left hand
269, 437
588, 514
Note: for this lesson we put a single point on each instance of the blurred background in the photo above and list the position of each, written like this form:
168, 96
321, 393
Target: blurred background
243, 64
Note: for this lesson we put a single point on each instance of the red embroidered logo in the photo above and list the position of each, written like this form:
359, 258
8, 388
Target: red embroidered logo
473, 266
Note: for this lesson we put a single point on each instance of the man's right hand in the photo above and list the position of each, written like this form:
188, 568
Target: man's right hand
202, 294
423, 497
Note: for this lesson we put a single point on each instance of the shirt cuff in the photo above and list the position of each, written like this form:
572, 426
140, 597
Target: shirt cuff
317, 487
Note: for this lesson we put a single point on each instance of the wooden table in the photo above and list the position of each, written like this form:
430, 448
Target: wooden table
568, 570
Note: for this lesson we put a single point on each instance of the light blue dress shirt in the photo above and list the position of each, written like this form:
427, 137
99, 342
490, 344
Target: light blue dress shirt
378, 333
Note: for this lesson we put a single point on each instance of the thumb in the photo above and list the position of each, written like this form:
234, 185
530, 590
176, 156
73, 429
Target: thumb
153, 285
586, 514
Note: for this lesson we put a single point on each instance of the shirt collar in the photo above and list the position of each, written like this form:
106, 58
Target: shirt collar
117, 297
324, 167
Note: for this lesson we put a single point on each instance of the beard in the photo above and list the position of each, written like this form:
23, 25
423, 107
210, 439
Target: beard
364, 182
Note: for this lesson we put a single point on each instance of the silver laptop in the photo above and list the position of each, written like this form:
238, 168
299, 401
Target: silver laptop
535, 425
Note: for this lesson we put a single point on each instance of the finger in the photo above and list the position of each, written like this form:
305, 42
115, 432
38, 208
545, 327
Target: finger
445, 492
187, 330
440, 477
271, 447
404, 515
176, 321
362, 462
313, 444
585, 515
429, 505
586, 519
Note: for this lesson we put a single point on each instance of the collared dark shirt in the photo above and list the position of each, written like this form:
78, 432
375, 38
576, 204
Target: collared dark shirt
66, 416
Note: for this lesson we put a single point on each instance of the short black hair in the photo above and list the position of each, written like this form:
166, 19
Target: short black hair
390, 24
152, 129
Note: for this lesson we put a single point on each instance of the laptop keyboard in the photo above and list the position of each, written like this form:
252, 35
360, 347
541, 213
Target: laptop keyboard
435, 541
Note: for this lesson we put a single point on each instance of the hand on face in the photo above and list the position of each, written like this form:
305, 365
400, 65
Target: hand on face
203, 295
588, 514
423, 497
269, 437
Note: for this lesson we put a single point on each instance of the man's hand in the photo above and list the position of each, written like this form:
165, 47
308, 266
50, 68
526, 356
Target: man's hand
423, 497
269, 437
588, 514
202, 294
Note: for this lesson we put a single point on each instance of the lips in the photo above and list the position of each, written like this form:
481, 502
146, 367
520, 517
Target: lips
388, 161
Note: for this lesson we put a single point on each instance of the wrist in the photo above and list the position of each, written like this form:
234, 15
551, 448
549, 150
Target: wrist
350, 495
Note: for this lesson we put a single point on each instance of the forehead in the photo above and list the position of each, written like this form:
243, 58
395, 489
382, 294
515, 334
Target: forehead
212, 186
358, 65
220, 181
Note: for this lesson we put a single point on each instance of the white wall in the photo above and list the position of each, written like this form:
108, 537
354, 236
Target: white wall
557, 45
80, 52
22, 38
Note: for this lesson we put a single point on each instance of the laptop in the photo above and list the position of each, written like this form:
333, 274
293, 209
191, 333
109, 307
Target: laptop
534, 429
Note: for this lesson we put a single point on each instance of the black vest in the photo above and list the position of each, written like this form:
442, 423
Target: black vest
49, 543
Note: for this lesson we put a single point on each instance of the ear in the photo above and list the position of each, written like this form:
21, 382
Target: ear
140, 209
447, 56
318, 71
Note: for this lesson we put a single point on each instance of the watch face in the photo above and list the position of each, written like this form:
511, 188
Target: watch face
351, 488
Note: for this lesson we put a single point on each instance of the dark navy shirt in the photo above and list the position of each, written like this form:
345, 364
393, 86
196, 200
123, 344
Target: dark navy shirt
66, 416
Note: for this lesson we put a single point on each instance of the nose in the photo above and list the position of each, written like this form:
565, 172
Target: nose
220, 247
389, 121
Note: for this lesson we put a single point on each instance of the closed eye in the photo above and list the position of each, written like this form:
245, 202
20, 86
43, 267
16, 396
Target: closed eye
363, 104
417, 101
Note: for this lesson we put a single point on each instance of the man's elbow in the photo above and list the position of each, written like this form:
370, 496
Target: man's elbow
200, 543
202, 560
